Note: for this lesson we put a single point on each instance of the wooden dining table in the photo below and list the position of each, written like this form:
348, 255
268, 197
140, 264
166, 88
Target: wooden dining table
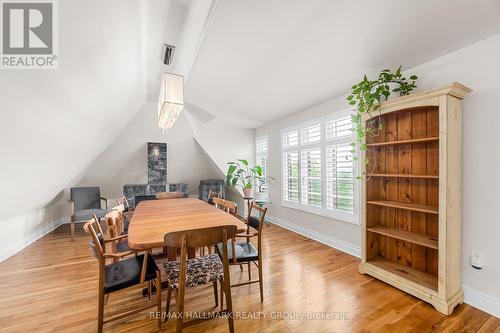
152, 219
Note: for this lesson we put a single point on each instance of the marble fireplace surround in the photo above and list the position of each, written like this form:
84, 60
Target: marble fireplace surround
157, 176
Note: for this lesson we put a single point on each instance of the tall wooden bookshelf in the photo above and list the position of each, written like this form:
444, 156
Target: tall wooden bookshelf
411, 220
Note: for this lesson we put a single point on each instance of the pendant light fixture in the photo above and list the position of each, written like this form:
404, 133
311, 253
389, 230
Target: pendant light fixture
171, 99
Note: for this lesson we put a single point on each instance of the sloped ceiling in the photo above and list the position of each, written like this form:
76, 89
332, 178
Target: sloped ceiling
54, 122
264, 59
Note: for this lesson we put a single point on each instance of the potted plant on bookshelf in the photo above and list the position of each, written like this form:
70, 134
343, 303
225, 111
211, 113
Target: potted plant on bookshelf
366, 97
239, 174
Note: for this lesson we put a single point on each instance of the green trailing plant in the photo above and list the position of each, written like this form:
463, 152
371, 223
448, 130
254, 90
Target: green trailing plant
366, 97
240, 174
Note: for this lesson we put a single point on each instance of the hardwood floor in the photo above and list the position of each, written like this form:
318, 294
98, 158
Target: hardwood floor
51, 286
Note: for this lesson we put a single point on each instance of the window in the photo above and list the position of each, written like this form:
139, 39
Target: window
318, 168
261, 158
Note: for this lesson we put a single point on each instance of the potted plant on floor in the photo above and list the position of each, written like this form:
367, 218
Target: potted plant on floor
240, 174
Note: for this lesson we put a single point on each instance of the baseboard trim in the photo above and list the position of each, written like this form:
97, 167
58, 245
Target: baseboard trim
482, 301
21, 244
314, 235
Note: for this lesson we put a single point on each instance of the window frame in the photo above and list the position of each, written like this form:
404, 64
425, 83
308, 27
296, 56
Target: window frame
322, 144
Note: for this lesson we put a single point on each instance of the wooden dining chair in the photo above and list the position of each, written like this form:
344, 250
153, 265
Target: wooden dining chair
169, 195
245, 252
212, 195
218, 203
230, 207
187, 273
124, 206
120, 274
115, 221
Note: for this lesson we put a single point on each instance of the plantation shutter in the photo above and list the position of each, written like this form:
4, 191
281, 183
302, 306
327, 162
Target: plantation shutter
261, 158
340, 177
311, 176
291, 176
291, 139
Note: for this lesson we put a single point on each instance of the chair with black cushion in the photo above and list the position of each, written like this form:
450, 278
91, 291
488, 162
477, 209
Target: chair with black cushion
245, 251
214, 185
120, 274
85, 202
199, 271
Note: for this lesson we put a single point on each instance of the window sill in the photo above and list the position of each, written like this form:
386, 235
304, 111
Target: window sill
332, 214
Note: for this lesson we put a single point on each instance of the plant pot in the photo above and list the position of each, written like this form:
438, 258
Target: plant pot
247, 192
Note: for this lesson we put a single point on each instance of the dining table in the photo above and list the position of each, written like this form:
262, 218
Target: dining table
152, 219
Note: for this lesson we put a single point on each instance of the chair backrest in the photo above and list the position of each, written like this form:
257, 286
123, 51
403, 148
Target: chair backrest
256, 222
200, 237
218, 203
86, 197
214, 185
96, 242
115, 221
230, 207
169, 195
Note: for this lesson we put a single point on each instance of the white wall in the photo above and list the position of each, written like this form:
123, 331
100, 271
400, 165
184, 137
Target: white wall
125, 160
225, 143
53, 122
478, 67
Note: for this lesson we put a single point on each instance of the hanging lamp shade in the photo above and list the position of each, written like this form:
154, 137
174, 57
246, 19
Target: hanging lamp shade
171, 100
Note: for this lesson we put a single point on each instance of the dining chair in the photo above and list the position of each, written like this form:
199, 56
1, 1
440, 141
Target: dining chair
188, 273
245, 251
169, 195
230, 207
124, 206
218, 202
212, 195
83, 202
115, 221
120, 274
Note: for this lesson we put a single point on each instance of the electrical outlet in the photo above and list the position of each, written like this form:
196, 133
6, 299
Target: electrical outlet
477, 259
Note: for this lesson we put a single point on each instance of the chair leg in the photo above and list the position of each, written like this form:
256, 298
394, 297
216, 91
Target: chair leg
158, 297
241, 267
72, 230
261, 282
100, 311
249, 271
229, 302
216, 294
221, 295
180, 309
169, 297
